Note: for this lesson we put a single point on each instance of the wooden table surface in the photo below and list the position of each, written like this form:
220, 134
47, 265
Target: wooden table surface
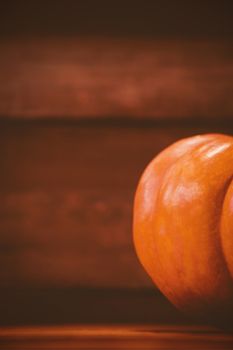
156, 337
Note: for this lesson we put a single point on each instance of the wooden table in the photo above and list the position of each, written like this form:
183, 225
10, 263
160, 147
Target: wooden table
157, 337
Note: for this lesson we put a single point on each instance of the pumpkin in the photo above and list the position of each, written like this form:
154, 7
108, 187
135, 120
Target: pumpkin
183, 224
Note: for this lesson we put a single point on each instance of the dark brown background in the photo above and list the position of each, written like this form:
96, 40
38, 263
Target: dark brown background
90, 92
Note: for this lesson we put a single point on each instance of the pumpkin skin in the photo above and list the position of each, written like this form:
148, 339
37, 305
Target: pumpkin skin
183, 224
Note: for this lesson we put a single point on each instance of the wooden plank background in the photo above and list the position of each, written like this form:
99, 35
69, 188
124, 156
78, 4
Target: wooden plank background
80, 77
160, 18
76, 305
66, 201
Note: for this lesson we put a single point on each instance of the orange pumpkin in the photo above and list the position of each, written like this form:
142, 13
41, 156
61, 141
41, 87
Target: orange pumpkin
183, 223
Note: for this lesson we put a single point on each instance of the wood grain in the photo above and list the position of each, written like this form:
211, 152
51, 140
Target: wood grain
155, 337
88, 77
